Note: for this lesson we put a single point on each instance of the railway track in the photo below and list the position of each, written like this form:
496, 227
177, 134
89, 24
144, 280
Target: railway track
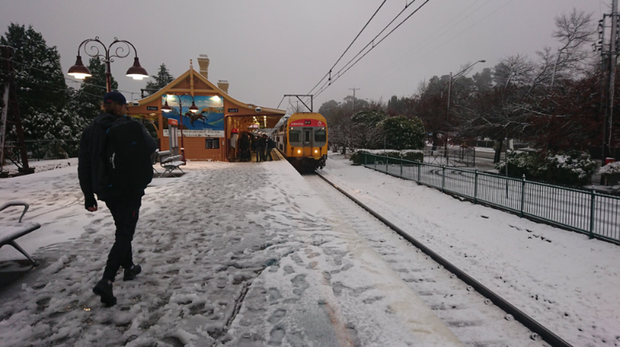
476, 315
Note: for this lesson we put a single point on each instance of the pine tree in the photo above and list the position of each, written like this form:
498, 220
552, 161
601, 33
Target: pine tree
38, 74
162, 79
50, 128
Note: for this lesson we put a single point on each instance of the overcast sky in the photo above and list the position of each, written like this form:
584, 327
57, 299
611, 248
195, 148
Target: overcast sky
269, 48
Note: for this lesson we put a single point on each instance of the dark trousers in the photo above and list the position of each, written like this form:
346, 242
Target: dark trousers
125, 213
269, 157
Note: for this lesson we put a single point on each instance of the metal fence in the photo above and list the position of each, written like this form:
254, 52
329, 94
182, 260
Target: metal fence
584, 211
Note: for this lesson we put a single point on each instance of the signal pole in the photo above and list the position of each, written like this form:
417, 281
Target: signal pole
609, 54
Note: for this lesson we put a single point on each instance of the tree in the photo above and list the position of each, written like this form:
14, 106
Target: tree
50, 128
403, 133
574, 31
162, 79
38, 74
367, 134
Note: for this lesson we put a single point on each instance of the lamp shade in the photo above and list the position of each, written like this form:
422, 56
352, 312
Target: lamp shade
137, 72
166, 108
193, 108
78, 70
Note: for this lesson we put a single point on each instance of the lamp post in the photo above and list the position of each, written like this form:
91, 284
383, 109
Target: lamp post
79, 71
192, 109
452, 78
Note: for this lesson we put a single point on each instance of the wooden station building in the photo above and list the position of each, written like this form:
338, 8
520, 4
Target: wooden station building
210, 117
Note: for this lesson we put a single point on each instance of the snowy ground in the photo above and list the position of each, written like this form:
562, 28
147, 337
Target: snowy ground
257, 232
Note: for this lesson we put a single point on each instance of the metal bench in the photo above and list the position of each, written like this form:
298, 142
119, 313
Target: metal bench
170, 162
11, 230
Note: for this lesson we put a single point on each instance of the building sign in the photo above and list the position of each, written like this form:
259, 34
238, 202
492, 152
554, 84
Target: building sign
233, 110
152, 108
208, 119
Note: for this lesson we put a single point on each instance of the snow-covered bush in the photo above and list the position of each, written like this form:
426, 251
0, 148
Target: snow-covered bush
573, 168
412, 155
611, 168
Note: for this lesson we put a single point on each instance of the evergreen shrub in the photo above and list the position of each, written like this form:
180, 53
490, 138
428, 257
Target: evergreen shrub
573, 168
358, 157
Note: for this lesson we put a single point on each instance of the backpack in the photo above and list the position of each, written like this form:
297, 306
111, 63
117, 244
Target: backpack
127, 157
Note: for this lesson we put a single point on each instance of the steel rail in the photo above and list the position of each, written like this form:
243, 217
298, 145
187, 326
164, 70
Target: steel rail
527, 321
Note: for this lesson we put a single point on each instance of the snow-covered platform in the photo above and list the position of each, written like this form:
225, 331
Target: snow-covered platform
247, 255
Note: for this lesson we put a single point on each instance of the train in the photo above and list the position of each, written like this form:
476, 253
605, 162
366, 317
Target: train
302, 140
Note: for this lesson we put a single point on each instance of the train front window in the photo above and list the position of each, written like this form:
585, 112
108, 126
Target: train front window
320, 136
294, 137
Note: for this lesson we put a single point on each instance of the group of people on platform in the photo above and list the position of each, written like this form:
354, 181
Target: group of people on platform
246, 143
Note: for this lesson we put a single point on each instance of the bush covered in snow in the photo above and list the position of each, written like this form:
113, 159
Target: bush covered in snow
611, 168
412, 155
573, 168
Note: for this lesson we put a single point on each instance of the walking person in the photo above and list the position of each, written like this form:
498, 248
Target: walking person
259, 142
123, 201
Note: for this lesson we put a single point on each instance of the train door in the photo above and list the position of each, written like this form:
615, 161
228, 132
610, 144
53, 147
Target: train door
308, 141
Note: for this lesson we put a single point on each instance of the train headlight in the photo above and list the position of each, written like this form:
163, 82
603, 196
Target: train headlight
299, 151
316, 151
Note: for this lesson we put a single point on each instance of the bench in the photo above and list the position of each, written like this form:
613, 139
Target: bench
11, 230
170, 162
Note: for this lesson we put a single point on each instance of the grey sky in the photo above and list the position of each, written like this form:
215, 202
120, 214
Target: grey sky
268, 48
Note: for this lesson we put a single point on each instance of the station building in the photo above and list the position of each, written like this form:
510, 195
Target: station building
199, 119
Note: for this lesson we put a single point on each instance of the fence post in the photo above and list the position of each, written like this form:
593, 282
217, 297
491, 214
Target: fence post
443, 178
387, 161
419, 171
375, 159
401, 167
522, 193
592, 208
365, 159
476, 186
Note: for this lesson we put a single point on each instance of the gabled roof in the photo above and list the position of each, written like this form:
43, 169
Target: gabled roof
194, 83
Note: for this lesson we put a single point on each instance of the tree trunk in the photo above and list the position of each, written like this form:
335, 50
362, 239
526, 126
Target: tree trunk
498, 151
434, 140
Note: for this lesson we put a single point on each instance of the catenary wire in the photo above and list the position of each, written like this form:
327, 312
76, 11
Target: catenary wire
351, 44
368, 44
341, 72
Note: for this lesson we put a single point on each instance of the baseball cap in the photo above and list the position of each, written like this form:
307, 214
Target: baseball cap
114, 97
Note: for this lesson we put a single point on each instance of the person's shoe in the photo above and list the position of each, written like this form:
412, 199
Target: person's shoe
104, 290
132, 272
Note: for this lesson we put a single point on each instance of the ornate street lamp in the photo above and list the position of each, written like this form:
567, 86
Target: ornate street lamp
193, 109
79, 71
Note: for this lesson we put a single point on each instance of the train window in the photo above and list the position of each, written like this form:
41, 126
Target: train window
320, 136
294, 136
212, 143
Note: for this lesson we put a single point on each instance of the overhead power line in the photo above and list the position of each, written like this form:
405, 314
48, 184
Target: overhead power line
351, 44
355, 59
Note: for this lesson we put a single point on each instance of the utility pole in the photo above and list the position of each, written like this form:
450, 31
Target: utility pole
354, 89
351, 122
609, 54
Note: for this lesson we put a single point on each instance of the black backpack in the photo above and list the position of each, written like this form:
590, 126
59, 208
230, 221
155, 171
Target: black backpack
127, 157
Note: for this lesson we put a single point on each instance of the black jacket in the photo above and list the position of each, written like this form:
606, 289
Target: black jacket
271, 143
91, 163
